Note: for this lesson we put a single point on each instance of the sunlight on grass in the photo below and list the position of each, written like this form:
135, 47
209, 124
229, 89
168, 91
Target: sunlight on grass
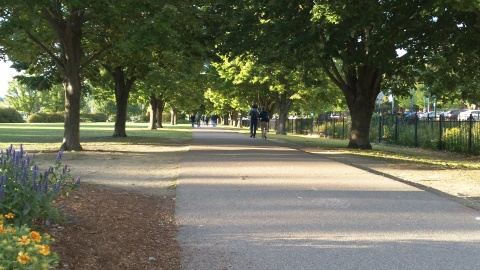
415, 156
49, 136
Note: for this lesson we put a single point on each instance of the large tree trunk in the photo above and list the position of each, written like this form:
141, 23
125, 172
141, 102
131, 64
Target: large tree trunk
360, 84
122, 92
71, 133
70, 33
361, 92
160, 109
69, 62
173, 116
283, 104
225, 119
153, 112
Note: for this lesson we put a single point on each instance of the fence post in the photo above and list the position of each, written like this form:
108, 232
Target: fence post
396, 128
415, 121
440, 133
326, 128
380, 129
343, 128
334, 122
470, 133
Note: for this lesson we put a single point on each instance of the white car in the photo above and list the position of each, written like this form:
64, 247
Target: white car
463, 116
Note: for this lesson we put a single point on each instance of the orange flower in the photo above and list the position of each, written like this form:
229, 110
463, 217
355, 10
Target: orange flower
3, 230
35, 236
23, 241
10, 215
43, 249
23, 258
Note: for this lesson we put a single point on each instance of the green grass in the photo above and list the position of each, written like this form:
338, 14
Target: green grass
415, 156
49, 136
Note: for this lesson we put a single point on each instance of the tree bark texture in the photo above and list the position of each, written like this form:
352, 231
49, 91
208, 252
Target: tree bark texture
360, 85
160, 109
173, 116
123, 85
153, 113
283, 104
70, 41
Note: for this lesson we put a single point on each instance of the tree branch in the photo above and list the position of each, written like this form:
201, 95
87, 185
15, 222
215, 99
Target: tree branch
49, 52
95, 56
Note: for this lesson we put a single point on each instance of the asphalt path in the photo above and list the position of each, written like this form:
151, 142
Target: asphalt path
245, 203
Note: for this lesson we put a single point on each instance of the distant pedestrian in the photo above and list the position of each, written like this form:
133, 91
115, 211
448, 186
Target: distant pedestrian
197, 119
264, 119
253, 114
214, 119
192, 119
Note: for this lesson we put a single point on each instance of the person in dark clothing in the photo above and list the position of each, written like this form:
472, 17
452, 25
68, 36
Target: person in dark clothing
214, 119
192, 119
253, 114
264, 119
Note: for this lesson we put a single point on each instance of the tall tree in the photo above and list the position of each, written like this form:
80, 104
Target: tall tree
70, 33
355, 42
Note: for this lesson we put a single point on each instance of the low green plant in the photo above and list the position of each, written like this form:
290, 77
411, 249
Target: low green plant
29, 193
21, 248
46, 118
9, 115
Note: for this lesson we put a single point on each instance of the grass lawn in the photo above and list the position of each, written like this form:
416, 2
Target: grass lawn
49, 136
386, 151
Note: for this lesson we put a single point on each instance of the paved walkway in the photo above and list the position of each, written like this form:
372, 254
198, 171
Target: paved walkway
246, 203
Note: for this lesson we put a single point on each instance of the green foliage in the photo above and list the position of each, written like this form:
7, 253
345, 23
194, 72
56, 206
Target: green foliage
46, 118
27, 192
9, 115
22, 98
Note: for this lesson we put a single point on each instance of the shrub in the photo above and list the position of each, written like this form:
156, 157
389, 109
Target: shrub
9, 115
93, 117
28, 193
46, 118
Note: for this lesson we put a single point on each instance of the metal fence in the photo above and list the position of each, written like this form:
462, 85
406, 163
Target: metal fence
441, 134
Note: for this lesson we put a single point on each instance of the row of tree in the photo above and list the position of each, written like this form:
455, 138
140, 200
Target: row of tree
227, 54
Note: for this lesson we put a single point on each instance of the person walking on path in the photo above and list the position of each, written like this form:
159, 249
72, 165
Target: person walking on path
264, 119
253, 114
197, 119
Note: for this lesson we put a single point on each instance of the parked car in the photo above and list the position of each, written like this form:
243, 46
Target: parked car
466, 115
428, 116
453, 114
409, 115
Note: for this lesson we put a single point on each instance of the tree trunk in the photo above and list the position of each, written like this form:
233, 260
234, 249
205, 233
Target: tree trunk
173, 116
69, 32
70, 36
160, 109
225, 119
71, 133
153, 112
283, 104
361, 92
122, 92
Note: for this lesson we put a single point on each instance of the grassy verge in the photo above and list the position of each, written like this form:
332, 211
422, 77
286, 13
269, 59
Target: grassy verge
416, 156
48, 136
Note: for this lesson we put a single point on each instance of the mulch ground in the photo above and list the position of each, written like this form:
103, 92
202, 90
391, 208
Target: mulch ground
112, 228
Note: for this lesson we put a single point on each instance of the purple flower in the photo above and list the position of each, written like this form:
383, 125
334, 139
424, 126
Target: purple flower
59, 155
